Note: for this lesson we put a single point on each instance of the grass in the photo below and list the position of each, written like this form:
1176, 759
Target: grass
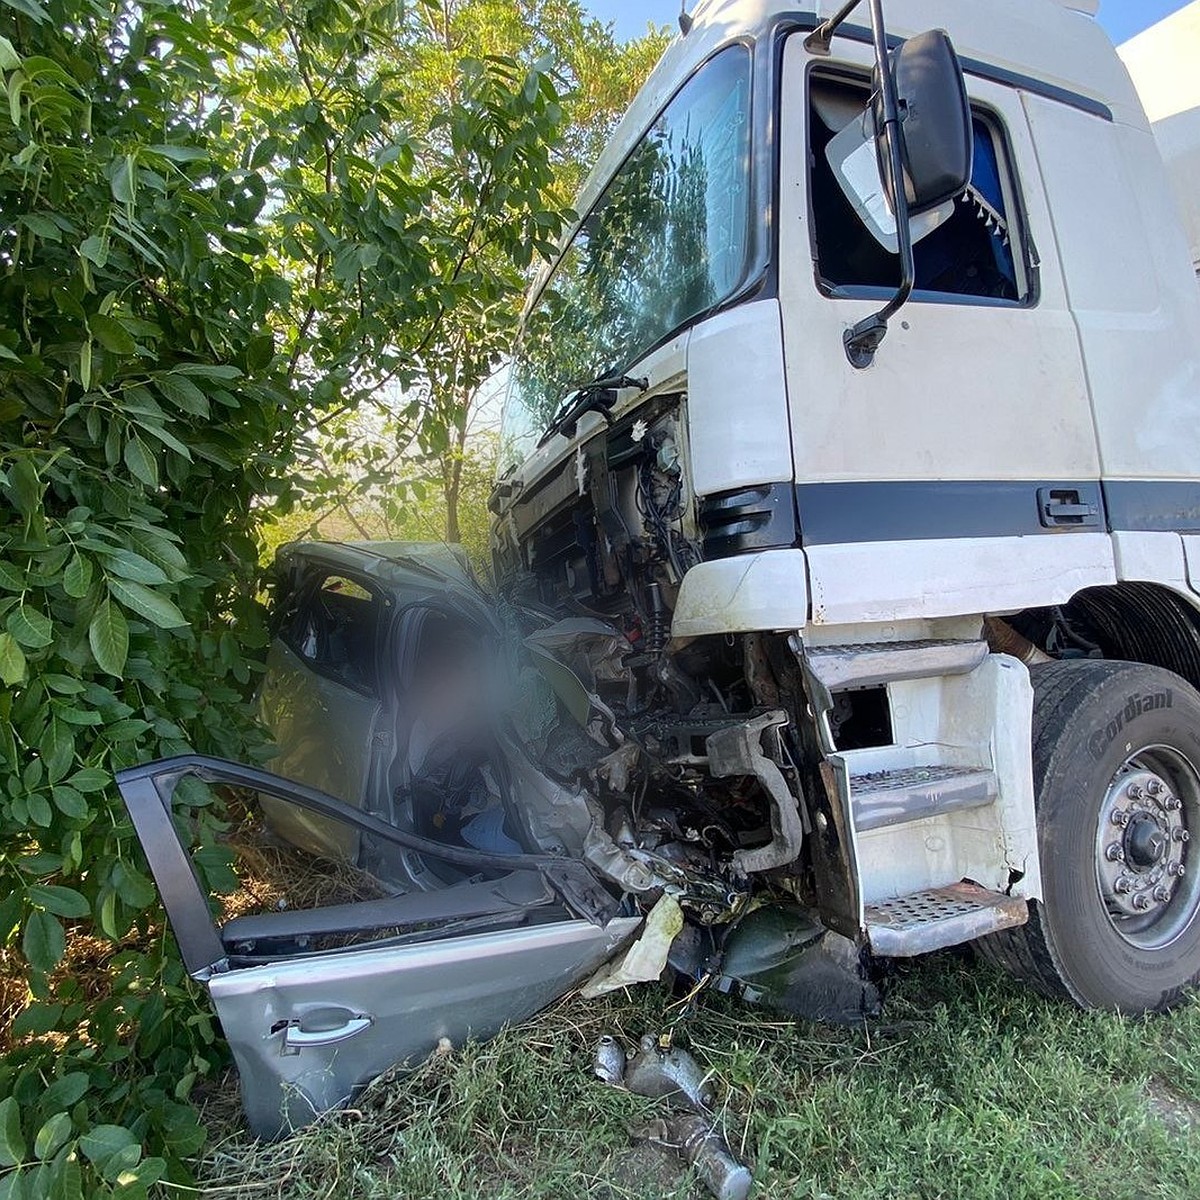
970, 1088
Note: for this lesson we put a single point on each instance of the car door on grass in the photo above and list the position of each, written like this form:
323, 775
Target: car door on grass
325, 977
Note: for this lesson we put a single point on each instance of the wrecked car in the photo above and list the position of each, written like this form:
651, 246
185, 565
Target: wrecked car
525, 808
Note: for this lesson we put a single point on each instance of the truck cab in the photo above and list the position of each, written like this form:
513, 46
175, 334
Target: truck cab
962, 570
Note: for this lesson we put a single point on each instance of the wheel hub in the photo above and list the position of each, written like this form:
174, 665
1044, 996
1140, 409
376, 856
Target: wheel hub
1141, 844
1145, 842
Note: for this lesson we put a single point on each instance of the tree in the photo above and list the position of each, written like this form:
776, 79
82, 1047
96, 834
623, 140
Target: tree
598, 77
220, 237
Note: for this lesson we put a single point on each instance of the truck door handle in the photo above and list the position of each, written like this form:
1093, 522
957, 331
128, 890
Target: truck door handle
296, 1039
1065, 506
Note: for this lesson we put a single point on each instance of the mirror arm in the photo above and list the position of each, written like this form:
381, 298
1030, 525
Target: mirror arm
818, 42
863, 340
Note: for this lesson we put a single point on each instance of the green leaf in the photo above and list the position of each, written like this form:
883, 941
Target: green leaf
62, 901
43, 942
156, 608
25, 487
12, 660
12, 1142
9, 58
52, 1135
90, 779
30, 8
124, 175
64, 685
111, 334
40, 812
77, 577
41, 225
179, 153
160, 551
36, 1019
129, 565
57, 748
108, 636
141, 462
95, 250
133, 887
30, 627
69, 802
69, 1180
65, 1091
85, 364
101, 1142
165, 436
183, 393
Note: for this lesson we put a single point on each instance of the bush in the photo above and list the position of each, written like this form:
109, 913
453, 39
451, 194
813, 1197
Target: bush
188, 241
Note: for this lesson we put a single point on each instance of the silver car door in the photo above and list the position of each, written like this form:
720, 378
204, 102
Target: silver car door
308, 1026
320, 701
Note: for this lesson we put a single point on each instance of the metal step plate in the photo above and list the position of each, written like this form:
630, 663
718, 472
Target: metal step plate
883, 798
940, 917
870, 664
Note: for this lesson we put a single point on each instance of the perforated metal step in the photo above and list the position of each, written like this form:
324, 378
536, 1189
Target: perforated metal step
883, 798
940, 917
870, 664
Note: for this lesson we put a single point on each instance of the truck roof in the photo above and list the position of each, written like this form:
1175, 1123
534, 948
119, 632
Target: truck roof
1052, 41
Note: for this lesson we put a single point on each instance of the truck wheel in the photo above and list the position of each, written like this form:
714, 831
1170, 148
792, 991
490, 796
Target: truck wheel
1116, 772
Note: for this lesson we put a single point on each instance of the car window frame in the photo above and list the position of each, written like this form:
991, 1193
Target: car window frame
313, 574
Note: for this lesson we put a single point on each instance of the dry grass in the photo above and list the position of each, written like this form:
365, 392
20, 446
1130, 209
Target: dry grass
275, 875
970, 1088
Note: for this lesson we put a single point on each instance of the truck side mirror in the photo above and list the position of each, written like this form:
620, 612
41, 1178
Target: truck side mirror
936, 138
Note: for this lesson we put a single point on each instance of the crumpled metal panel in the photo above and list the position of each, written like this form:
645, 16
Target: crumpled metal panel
412, 996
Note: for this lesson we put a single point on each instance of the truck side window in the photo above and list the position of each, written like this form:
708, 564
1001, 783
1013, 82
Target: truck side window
335, 628
972, 253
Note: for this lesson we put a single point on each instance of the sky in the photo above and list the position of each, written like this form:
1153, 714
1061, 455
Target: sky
1122, 18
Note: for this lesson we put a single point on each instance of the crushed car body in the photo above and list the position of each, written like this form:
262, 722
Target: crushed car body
521, 796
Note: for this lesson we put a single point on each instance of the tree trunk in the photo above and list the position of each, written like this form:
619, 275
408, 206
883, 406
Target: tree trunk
452, 474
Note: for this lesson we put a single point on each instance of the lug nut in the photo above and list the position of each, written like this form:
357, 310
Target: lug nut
1181, 835
1134, 791
1171, 804
1154, 787
1177, 869
1123, 886
1141, 902
1119, 817
1162, 893
1114, 853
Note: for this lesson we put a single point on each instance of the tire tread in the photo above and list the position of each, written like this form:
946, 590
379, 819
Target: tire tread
1025, 951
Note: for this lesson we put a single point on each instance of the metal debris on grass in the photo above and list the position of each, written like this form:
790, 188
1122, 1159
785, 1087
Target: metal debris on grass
665, 1072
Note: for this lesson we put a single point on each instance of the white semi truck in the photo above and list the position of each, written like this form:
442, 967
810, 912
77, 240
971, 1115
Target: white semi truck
849, 537
960, 563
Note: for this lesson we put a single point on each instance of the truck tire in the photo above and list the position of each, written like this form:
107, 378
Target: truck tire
1116, 772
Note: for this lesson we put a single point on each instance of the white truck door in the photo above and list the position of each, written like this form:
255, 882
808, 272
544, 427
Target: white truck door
974, 421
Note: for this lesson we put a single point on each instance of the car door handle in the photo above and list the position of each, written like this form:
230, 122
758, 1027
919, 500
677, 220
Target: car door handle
295, 1038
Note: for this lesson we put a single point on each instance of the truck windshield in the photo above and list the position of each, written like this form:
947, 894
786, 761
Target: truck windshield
667, 241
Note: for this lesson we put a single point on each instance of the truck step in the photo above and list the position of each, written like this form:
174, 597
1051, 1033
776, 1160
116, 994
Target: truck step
940, 917
883, 798
872, 663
